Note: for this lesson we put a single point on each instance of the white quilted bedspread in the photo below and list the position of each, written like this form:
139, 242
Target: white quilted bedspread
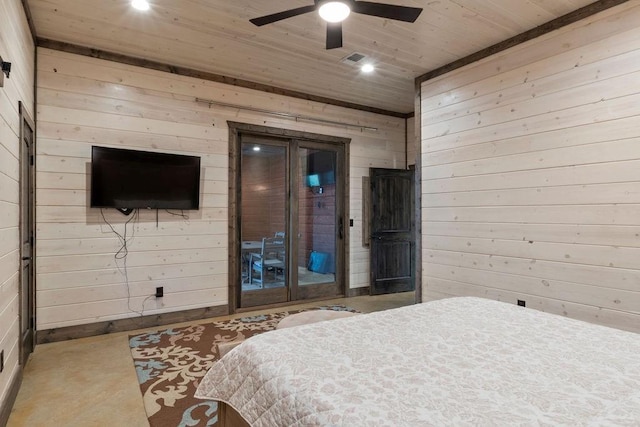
458, 361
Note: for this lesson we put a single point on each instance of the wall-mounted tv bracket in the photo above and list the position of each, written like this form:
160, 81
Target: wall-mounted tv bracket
6, 70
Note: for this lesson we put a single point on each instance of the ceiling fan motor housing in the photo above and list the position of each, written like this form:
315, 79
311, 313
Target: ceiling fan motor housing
347, 2
334, 24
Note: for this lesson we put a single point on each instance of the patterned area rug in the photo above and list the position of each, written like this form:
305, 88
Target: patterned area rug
170, 363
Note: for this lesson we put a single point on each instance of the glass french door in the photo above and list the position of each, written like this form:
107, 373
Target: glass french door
319, 222
291, 220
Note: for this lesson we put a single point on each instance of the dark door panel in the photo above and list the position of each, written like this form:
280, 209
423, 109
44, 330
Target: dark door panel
392, 231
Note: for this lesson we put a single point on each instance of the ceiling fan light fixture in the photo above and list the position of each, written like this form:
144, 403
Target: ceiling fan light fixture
140, 4
334, 11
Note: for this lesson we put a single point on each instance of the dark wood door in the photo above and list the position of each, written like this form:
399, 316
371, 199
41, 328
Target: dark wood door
27, 207
392, 231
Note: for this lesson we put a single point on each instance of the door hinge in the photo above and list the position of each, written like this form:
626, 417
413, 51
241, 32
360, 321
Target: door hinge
31, 160
32, 323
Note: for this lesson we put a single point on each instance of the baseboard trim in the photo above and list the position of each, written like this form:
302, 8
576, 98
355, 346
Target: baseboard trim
12, 395
123, 325
358, 292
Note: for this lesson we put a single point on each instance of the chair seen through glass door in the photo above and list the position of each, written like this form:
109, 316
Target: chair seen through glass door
264, 213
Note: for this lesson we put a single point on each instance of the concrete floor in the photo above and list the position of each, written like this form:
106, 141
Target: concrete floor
92, 381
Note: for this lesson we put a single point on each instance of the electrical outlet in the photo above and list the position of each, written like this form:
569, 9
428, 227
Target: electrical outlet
159, 292
1, 360
522, 303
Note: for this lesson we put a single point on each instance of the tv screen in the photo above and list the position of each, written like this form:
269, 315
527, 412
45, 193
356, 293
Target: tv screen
321, 167
140, 179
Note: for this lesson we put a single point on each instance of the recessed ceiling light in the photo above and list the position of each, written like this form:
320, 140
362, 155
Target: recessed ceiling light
256, 148
140, 4
367, 68
334, 11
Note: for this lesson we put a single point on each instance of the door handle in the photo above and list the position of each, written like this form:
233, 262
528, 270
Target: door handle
341, 228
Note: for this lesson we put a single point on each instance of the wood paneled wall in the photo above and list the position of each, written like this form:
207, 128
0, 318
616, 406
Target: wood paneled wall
263, 197
317, 222
85, 101
412, 143
531, 174
16, 46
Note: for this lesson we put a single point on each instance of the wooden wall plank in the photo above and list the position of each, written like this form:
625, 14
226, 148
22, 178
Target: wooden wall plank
531, 174
598, 173
140, 243
155, 273
604, 152
114, 291
621, 193
168, 225
82, 262
581, 234
611, 256
618, 214
600, 276
10, 189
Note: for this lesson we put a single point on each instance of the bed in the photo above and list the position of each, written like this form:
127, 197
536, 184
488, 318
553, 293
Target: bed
457, 361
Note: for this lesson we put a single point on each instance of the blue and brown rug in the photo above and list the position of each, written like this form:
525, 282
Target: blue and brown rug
170, 363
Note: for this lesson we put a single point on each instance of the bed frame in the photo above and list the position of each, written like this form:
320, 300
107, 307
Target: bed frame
229, 417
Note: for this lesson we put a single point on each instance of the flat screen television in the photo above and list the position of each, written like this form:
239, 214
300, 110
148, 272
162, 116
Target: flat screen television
321, 168
140, 179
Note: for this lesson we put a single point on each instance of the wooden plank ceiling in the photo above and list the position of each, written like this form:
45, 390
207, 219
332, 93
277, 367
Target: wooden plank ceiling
216, 36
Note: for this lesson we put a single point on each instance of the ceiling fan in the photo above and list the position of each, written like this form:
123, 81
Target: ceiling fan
336, 11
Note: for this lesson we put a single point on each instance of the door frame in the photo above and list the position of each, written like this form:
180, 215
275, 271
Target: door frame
236, 129
27, 344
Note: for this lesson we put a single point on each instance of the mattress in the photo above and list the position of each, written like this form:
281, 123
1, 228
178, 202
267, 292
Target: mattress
457, 361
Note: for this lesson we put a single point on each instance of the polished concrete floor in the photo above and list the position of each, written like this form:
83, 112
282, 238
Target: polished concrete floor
92, 381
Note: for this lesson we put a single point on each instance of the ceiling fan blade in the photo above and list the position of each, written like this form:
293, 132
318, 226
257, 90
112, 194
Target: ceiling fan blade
268, 19
334, 35
389, 11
